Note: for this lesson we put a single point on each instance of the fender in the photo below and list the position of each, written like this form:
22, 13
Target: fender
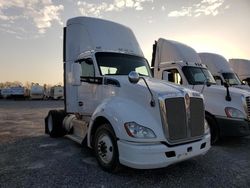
118, 111
215, 102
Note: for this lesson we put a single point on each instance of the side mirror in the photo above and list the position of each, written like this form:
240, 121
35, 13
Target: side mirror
208, 83
165, 75
133, 77
218, 82
76, 74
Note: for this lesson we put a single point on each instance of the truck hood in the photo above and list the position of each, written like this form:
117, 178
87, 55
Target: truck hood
244, 87
215, 99
221, 89
165, 88
158, 87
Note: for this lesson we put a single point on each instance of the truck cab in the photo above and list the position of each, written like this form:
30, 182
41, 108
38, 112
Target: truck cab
36, 92
221, 70
114, 106
242, 68
56, 92
227, 108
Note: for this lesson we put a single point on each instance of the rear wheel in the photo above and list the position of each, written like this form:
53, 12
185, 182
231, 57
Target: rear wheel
53, 123
214, 130
105, 147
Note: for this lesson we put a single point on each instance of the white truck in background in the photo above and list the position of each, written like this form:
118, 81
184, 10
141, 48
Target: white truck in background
36, 92
56, 92
19, 92
242, 68
127, 119
221, 70
227, 108
6, 92
15, 92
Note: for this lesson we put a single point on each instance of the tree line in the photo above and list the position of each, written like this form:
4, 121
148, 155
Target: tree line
26, 84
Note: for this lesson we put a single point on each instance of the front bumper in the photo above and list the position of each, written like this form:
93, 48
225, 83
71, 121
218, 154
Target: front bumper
158, 155
233, 127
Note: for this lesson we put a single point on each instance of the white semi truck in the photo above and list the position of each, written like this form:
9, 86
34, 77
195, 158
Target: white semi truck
15, 92
56, 92
6, 93
227, 108
127, 119
221, 70
19, 92
242, 68
36, 91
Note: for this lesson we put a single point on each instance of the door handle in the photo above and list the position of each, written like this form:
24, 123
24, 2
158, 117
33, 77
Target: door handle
80, 103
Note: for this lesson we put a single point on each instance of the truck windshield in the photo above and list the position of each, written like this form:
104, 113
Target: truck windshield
231, 78
198, 75
121, 64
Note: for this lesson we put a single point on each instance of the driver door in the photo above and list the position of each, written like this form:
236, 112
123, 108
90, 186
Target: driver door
88, 90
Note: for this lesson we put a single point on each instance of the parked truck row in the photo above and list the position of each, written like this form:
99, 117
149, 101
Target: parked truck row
222, 71
135, 115
35, 92
227, 109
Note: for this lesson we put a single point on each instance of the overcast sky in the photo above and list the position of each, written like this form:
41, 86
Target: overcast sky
31, 30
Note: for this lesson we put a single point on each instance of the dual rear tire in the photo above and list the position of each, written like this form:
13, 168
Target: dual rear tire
54, 123
104, 142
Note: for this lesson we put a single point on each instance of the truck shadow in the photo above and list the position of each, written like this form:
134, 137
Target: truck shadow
32, 160
232, 142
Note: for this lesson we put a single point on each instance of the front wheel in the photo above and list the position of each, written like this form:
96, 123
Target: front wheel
214, 130
105, 148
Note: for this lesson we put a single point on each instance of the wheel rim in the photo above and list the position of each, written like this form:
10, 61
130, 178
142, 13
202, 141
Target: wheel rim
50, 124
105, 148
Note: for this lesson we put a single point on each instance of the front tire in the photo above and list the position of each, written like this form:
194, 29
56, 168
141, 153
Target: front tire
105, 148
214, 130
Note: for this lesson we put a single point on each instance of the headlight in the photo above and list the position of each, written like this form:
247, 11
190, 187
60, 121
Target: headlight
206, 127
234, 113
138, 131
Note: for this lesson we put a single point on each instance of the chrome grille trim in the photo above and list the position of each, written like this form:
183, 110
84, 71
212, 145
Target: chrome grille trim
248, 107
177, 117
197, 117
191, 135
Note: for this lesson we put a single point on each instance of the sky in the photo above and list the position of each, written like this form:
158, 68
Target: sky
31, 34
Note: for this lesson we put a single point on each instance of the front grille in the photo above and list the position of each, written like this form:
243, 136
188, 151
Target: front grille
248, 106
176, 118
184, 124
197, 117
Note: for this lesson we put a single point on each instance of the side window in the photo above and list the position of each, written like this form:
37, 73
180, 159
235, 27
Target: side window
174, 76
246, 81
87, 68
142, 70
108, 70
218, 80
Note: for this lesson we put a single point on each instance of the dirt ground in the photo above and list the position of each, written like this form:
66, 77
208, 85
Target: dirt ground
29, 158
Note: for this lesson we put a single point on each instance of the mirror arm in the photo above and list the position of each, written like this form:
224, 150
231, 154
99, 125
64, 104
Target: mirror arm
228, 97
134, 77
152, 102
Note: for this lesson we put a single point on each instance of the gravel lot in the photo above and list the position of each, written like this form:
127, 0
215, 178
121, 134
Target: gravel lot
29, 158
